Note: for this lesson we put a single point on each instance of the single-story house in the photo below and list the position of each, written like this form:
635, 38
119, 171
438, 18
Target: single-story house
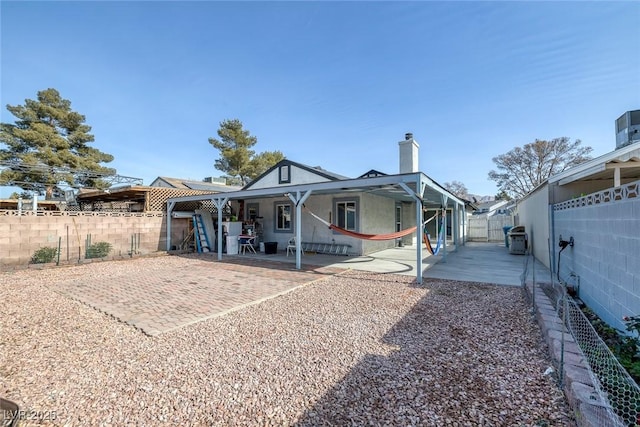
295, 200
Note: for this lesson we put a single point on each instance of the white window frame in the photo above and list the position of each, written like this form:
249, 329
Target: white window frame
355, 208
279, 207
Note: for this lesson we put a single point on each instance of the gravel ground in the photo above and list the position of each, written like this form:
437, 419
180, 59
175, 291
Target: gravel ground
354, 349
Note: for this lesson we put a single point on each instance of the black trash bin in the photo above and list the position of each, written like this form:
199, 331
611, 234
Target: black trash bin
270, 248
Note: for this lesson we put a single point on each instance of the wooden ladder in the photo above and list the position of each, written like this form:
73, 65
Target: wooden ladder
202, 240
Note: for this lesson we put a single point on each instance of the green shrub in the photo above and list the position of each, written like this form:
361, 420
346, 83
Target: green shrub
99, 250
44, 255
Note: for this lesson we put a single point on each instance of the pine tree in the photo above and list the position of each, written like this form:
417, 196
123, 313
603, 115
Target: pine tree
48, 146
237, 160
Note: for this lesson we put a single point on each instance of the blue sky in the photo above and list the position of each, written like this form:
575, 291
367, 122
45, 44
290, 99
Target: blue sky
334, 84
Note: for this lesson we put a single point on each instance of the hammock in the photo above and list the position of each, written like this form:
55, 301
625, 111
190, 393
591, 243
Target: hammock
425, 236
388, 236
427, 242
439, 242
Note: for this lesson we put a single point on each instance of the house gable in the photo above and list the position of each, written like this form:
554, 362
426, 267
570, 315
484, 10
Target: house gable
372, 173
286, 172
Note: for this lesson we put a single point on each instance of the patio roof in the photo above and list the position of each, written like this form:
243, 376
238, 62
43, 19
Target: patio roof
387, 186
408, 187
620, 164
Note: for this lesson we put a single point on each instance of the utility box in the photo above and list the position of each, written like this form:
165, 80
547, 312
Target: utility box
628, 128
517, 241
232, 245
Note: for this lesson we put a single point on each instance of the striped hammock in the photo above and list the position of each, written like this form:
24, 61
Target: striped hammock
388, 236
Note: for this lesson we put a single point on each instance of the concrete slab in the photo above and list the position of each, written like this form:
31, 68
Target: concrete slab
474, 262
487, 263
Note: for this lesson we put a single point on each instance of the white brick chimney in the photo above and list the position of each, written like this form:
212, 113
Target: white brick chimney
409, 154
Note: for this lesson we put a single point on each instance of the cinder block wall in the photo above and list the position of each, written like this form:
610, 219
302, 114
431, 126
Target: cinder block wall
21, 236
533, 214
605, 256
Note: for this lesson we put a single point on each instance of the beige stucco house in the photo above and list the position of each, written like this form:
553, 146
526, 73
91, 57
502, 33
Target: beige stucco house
295, 200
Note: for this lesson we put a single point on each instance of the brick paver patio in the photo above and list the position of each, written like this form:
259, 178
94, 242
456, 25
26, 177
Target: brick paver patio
157, 295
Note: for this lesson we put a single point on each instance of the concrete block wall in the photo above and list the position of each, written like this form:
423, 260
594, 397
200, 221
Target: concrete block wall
533, 214
605, 256
22, 235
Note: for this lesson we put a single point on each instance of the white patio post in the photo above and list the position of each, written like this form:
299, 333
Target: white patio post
455, 226
170, 206
219, 202
420, 187
298, 200
464, 224
445, 200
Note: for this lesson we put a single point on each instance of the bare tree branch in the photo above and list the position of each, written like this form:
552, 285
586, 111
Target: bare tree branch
524, 168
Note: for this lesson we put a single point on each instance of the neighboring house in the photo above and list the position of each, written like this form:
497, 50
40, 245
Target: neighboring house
493, 207
282, 199
597, 204
215, 185
147, 198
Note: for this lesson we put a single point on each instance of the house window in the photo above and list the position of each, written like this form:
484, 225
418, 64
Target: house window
283, 217
346, 214
284, 174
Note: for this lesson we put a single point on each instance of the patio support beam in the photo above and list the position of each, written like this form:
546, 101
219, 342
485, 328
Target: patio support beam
445, 200
455, 219
219, 203
170, 206
420, 187
464, 224
298, 200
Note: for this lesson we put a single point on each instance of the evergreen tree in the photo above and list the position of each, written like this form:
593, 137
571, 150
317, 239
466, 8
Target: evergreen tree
237, 160
48, 146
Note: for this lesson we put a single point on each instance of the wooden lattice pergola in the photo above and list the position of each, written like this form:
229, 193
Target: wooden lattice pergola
142, 199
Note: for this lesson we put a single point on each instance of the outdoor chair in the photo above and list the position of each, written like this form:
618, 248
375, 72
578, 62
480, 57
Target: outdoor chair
245, 243
291, 246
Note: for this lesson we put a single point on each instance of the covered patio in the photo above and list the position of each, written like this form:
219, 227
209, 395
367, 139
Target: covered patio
413, 188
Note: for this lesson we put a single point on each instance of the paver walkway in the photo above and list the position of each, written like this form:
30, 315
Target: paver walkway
161, 294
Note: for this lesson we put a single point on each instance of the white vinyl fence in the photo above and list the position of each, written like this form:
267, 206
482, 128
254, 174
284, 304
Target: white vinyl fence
488, 229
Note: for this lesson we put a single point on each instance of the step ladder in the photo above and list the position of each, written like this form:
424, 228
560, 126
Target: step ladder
202, 240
